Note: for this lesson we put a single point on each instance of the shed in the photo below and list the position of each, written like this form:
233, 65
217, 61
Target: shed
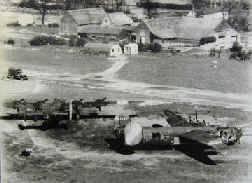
25, 19
226, 36
73, 19
131, 49
111, 50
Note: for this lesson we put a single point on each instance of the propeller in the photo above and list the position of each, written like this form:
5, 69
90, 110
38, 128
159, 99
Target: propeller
230, 135
70, 109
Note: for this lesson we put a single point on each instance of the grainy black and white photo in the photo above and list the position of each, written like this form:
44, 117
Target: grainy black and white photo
125, 91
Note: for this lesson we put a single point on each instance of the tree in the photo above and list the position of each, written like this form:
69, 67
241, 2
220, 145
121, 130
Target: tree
43, 10
156, 47
236, 47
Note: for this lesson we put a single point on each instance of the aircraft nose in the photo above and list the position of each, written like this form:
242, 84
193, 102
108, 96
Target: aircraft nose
132, 134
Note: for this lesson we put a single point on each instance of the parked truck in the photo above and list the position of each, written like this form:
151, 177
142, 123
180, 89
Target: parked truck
16, 74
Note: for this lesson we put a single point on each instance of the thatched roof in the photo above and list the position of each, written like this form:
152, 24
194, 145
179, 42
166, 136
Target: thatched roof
178, 2
97, 29
119, 18
88, 16
224, 25
184, 27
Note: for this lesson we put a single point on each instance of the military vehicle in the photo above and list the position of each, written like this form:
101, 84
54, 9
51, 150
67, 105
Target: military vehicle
16, 74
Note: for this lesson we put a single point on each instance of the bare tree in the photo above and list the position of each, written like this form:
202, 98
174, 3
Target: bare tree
43, 10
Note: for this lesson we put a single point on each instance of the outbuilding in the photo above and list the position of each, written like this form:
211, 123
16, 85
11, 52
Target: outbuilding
110, 50
225, 36
25, 19
73, 19
131, 49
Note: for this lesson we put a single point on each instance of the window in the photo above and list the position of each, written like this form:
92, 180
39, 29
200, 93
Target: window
112, 50
221, 36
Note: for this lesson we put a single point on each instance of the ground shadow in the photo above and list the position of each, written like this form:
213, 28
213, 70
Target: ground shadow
191, 148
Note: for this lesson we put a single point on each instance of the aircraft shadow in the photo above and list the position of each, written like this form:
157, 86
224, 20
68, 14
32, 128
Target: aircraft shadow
191, 148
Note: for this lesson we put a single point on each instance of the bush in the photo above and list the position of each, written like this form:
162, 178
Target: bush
78, 42
81, 42
72, 41
39, 41
236, 47
46, 40
144, 47
206, 40
53, 25
10, 42
29, 4
15, 24
156, 47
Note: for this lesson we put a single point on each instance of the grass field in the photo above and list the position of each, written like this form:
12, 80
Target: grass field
229, 76
54, 60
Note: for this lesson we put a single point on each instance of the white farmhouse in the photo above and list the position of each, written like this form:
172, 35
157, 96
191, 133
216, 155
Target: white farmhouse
131, 49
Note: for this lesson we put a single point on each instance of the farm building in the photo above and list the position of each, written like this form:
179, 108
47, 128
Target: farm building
25, 19
93, 20
217, 3
131, 49
111, 50
96, 32
177, 32
154, 8
73, 19
225, 36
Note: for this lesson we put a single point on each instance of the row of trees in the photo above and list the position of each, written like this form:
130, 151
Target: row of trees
43, 6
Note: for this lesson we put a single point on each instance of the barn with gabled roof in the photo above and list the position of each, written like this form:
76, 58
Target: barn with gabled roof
73, 19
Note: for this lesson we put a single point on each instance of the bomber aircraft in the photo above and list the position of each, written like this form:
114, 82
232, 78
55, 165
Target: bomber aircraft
98, 103
190, 140
56, 113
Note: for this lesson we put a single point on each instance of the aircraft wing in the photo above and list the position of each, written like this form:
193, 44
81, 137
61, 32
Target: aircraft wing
34, 116
204, 137
28, 116
195, 145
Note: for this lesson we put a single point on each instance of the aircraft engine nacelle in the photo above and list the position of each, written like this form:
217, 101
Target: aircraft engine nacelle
230, 135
